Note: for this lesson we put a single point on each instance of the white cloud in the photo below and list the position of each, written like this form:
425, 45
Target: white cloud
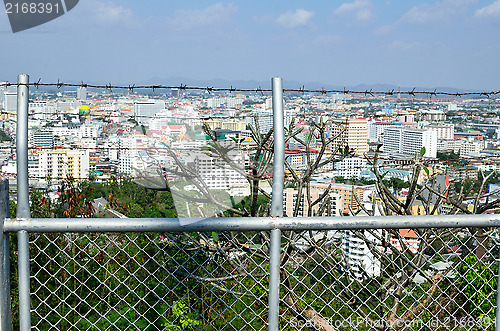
108, 11
295, 19
212, 15
490, 11
361, 10
440, 11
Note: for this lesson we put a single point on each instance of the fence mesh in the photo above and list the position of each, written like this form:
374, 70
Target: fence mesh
148, 281
421, 279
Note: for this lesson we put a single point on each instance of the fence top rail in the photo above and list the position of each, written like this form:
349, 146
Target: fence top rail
58, 225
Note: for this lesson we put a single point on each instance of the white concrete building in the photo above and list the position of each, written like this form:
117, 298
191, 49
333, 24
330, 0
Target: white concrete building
350, 167
444, 130
160, 120
81, 94
219, 174
471, 147
10, 101
410, 141
227, 102
360, 260
376, 130
144, 110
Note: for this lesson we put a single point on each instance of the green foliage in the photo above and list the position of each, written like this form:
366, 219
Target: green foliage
448, 156
183, 319
74, 199
135, 201
478, 283
4, 136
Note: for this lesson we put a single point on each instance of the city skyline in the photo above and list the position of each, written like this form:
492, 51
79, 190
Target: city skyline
425, 43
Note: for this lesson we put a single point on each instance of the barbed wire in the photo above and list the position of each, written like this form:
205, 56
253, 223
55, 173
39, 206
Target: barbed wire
181, 87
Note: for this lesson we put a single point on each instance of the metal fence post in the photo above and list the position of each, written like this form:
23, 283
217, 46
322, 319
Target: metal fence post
23, 205
276, 203
5, 307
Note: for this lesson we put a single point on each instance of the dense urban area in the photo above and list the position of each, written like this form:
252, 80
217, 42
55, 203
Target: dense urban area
181, 153
105, 134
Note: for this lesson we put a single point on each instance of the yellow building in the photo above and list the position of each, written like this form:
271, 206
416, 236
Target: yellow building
225, 124
61, 163
353, 131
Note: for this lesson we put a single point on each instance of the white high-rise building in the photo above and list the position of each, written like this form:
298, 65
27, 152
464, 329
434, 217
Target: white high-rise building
145, 110
217, 173
160, 120
376, 130
6, 89
359, 258
227, 102
81, 94
10, 101
265, 119
444, 130
410, 141
44, 138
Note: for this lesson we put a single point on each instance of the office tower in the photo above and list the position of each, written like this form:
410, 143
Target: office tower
81, 93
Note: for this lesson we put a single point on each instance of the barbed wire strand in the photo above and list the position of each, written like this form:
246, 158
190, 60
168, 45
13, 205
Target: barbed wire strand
181, 87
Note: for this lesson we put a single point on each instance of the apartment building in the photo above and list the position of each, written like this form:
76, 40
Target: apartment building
61, 163
360, 261
376, 130
346, 192
349, 167
410, 141
224, 124
353, 132
145, 110
443, 130
219, 174
290, 200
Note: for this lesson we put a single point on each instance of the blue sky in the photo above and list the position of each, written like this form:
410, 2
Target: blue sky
448, 43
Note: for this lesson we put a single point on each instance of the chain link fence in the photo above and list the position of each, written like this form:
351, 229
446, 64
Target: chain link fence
147, 281
420, 279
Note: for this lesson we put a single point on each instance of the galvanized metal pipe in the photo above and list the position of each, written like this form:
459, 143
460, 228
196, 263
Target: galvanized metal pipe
279, 148
274, 280
276, 204
23, 267
23, 204
87, 225
5, 303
